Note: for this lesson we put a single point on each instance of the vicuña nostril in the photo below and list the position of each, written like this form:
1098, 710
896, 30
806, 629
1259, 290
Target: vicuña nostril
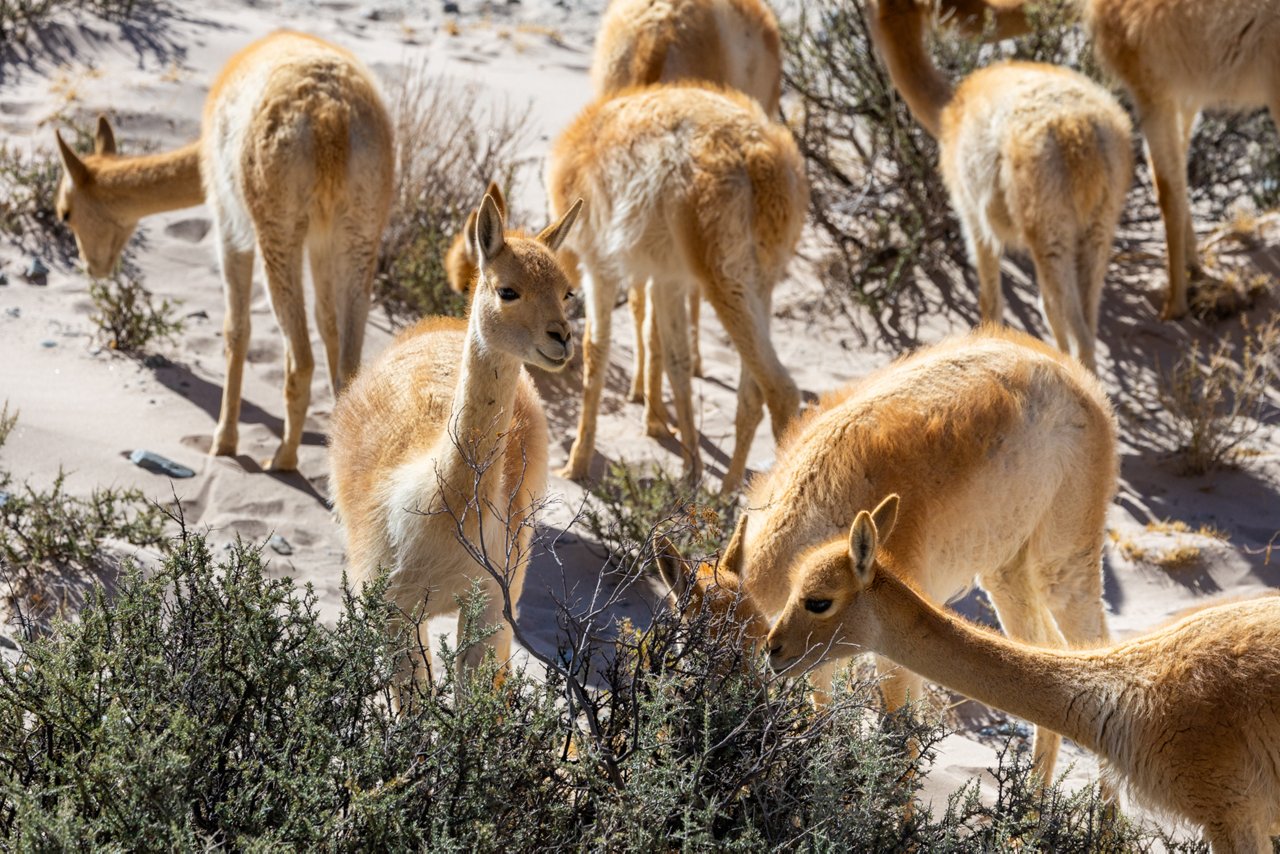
560, 337
776, 651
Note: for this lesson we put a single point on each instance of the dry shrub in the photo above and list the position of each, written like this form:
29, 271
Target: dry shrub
1217, 403
127, 315
448, 148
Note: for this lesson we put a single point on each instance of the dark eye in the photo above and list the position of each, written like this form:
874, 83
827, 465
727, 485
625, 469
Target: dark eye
570, 296
507, 294
66, 215
817, 606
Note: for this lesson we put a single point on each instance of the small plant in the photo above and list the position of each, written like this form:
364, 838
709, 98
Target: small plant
626, 508
19, 18
447, 152
1216, 403
7, 422
129, 317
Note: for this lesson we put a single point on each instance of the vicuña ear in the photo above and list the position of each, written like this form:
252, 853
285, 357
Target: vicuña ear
885, 516
104, 140
489, 238
554, 235
498, 199
670, 566
862, 548
469, 237
731, 560
75, 167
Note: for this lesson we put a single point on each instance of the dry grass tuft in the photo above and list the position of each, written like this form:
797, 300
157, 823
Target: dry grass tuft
1217, 404
448, 147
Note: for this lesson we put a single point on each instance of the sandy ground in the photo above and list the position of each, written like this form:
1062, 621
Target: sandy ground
84, 408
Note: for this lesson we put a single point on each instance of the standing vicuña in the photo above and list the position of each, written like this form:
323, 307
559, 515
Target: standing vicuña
1188, 715
687, 186
1003, 448
733, 43
294, 152
1177, 57
444, 434
1034, 156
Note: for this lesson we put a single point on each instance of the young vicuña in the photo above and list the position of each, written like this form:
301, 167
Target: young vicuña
1187, 715
1034, 156
1005, 451
443, 436
687, 186
294, 153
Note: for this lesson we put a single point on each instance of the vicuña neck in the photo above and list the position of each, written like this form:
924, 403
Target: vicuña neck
899, 28
152, 183
480, 417
1057, 689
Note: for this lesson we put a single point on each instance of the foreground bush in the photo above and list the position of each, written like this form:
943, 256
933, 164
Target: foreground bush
209, 706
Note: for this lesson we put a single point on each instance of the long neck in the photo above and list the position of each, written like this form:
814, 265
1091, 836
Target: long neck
151, 183
1063, 691
898, 27
480, 418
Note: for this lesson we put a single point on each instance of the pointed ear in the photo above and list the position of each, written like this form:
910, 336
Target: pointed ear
731, 560
554, 235
885, 516
489, 239
670, 566
862, 548
498, 199
75, 167
104, 141
469, 237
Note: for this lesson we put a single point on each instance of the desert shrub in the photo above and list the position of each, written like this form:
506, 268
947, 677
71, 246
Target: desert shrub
208, 705
1217, 399
1234, 156
27, 188
19, 17
129, 317
447, 151
876, 190
629, 505
7, 422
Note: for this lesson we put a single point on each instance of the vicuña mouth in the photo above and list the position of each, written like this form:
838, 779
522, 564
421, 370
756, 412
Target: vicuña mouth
557, 361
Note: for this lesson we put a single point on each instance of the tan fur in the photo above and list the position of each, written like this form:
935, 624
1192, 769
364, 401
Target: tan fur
689, 187
733, 43
295, 151
950, 428
445, 432
1177, 57
1188, 715
1034, 157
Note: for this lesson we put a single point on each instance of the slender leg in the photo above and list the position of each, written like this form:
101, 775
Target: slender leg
1061, 301
1164, 149
636, 302
354, 290
745, 423
601, 291
1186, 126
237, 274
695, 319
667, 301
321, 251
986, 261
655, 411
283, 263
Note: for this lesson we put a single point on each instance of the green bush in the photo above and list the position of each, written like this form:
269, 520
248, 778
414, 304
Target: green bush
127, 315
208, 705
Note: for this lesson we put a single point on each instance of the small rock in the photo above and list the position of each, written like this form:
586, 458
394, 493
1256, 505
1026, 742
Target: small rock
48, 342
37, 273
155, 360
8, 643
13, 312
198, 315
160, 465
371, 13
4, 279
280, 545
451, 8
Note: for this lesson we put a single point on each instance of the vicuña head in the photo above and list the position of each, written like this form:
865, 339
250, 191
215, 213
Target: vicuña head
820, 619
518, 307
101, 226
712, 588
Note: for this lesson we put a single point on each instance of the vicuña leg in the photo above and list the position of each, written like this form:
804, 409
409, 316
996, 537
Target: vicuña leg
237, 276
636, 302
745, 423
600, 297
321, 251
667, 302
1060, 296
695, 318
1160, 126
986, 263
283, 264
655, 411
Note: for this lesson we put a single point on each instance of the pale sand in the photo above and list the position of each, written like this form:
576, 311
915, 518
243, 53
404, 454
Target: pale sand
84, 409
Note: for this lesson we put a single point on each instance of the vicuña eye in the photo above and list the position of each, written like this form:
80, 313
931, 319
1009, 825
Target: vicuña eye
570, 296
66, 216
507, 294
817, 606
